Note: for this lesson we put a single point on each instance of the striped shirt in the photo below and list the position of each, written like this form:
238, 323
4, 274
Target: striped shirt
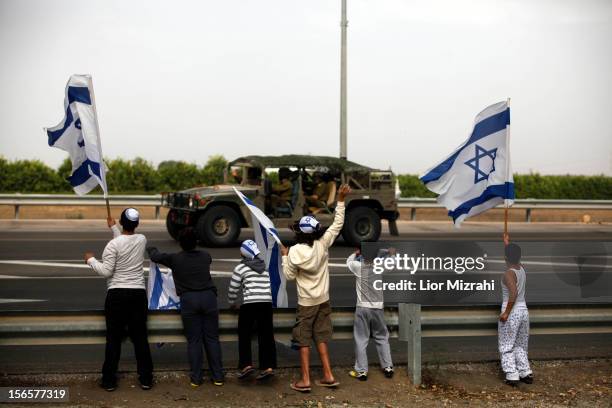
255, 286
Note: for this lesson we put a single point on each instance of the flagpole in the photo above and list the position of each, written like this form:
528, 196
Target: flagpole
507, 172
95, 109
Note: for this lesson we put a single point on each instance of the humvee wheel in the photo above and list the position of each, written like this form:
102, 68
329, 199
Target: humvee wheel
173, 228
361, 224
218, 226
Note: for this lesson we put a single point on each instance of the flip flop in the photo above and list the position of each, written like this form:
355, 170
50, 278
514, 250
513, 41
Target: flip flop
264, 374
245, 373
327, 384
299, 389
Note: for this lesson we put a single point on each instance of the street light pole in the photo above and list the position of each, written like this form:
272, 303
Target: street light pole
343, 25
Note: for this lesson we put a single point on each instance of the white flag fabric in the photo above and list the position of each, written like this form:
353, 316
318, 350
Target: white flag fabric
161, 291
269, 242
477, 176
78, 134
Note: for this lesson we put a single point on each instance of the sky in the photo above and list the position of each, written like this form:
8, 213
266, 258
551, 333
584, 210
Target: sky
184, 80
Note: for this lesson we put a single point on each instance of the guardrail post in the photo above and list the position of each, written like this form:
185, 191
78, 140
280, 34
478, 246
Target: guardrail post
157, 212
528, 215
16, 211
413, 214
410, 331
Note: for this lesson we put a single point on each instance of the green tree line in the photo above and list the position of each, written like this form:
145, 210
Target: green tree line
139, 176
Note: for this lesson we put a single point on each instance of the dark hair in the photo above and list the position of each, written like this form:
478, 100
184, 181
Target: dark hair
284, 173
513, 253
127, 224
304, 238
188, 239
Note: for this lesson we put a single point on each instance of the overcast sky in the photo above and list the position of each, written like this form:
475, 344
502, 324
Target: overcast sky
184, 80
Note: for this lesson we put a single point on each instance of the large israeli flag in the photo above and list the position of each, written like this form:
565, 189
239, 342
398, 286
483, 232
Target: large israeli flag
269, 242
161, 291
477, 176
78, 134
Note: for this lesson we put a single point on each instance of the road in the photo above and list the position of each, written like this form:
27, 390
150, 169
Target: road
41, 266
41, 269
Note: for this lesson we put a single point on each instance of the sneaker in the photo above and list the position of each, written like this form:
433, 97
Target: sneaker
108, 387
388, 372
146, 385
218, 383
360, 375
528, 379
512, 383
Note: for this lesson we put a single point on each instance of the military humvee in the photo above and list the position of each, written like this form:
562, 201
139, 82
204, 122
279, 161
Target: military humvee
217, 214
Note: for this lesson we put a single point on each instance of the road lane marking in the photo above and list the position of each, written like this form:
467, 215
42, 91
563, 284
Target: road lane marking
4, 301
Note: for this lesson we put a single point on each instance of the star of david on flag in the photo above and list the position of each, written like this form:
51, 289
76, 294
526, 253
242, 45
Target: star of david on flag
481, 172
477, 176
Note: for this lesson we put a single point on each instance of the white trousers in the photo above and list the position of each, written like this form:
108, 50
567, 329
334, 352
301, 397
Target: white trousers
513, 339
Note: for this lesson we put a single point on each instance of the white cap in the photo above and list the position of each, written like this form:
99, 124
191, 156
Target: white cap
249, 249
308, 224
132, 214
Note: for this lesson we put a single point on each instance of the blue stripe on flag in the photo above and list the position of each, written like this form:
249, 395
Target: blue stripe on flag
273, 271
505, 191
482, 129
82, 174
157, 288
79, 94
56, 134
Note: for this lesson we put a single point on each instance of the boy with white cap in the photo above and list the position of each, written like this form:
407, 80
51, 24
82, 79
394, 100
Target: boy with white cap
251, 276
307, 264
126, 298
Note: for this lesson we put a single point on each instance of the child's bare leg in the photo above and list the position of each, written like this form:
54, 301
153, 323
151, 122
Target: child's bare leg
324, 355
305, 364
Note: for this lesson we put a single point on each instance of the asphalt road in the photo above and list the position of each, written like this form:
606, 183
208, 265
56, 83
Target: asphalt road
41, 266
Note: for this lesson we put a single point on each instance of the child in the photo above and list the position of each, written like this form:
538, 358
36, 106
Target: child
369, 317
256, 309
307, 264
513, 326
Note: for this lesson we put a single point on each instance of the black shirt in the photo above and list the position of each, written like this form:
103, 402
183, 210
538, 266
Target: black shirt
190, 269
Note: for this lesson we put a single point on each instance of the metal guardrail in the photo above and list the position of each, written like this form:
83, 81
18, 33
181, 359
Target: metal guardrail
19, 200
408, 322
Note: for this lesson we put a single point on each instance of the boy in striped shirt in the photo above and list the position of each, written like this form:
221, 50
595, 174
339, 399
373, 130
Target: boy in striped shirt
251, 276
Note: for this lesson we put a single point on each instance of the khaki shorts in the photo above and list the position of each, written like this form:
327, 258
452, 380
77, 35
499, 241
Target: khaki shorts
313, 323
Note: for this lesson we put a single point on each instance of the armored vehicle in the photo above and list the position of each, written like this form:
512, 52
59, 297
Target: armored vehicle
286, 188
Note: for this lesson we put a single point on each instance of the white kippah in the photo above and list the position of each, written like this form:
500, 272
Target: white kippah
308, 224
132, 214
249, 249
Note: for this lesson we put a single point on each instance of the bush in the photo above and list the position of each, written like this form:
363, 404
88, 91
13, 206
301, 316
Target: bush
28, 176
140, 177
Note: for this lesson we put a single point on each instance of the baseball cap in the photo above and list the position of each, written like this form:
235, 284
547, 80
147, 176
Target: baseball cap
308, 224
249, 249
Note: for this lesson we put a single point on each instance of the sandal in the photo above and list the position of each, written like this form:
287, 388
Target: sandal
265, 374
298, 388
246, 371
328, 384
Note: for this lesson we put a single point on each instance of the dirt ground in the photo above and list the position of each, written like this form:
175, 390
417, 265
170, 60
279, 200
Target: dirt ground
576, 383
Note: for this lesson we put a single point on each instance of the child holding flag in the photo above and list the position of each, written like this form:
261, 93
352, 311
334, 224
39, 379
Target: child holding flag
307, 264
251, 276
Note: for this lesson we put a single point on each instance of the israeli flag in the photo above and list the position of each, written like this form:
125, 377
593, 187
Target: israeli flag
78, 134
269, 242
477, 176
161, 291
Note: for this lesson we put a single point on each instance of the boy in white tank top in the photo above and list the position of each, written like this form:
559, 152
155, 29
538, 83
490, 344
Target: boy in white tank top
513, 325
